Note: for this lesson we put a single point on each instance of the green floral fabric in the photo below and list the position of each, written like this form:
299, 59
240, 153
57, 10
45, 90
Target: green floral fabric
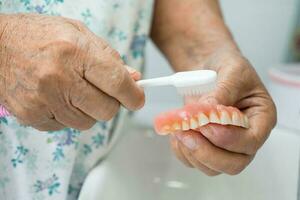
53, 165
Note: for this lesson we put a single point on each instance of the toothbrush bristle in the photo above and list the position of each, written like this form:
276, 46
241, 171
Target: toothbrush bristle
196, 90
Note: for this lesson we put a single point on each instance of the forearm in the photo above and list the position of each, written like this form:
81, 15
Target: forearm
187, 32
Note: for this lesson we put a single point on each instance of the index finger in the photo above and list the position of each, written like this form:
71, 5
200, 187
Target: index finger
113, 78
107, 72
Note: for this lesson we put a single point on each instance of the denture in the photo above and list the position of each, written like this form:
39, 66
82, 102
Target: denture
193, 116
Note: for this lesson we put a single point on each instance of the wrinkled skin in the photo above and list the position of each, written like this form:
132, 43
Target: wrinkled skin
55, 73
229, 149
196, 37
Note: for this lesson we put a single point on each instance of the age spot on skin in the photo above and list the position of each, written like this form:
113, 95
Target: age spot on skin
193, 116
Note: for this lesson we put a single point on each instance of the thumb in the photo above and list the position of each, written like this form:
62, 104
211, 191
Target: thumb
136, 75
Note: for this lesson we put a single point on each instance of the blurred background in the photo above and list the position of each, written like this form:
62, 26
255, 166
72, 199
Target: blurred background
142, 167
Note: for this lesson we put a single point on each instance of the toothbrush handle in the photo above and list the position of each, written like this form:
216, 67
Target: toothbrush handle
155, 82
3, 112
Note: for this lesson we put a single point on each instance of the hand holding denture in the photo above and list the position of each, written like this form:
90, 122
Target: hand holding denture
220, 132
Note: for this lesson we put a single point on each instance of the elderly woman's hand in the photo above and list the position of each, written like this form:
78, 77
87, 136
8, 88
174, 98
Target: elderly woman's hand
227, 149
55, 73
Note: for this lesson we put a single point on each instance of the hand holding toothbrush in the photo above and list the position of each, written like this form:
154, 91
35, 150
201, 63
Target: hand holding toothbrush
55, 73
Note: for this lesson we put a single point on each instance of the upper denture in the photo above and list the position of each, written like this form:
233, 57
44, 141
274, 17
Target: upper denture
193, 116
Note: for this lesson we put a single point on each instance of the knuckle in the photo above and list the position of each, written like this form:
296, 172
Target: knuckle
48, 79
65, 46
79, 25
112, 52
53, 81
118, 79
78, 100
77, 93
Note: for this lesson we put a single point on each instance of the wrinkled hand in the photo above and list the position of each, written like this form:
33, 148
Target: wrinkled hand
55, 73
219, 149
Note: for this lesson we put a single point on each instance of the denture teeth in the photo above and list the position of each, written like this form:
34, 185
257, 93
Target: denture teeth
176, 126
185, 126
165, 130
246, 122
202, 119
225, 118
213, 118
193, 123
236, 120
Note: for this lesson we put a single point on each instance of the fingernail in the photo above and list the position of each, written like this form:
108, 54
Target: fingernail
190, 142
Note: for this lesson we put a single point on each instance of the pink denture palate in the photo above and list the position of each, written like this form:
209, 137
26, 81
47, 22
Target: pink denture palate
193, 116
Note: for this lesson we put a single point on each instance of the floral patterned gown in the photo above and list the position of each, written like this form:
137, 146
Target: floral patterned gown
53, 165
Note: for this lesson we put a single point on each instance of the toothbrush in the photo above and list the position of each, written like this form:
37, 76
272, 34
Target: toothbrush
188, 83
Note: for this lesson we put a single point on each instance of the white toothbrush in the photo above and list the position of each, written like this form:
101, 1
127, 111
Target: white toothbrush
188, 83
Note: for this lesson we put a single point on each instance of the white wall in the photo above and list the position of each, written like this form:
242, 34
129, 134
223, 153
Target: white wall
262, 29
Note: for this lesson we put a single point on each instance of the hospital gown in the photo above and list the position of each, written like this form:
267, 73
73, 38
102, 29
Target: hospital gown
38, 165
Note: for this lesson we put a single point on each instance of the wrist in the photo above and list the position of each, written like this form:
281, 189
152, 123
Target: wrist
189, 47
196, 54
